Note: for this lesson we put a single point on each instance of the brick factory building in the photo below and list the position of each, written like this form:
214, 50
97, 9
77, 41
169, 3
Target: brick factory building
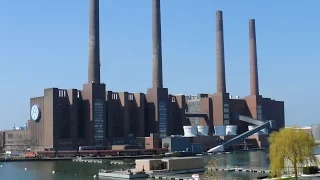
94, 116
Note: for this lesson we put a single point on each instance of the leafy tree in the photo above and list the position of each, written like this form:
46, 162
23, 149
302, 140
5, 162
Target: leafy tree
293, 145
176, 154
31, 143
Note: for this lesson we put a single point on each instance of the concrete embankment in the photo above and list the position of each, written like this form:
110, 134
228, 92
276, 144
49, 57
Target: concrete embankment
19, 159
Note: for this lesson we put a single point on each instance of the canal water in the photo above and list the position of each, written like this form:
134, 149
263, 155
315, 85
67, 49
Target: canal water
68, 170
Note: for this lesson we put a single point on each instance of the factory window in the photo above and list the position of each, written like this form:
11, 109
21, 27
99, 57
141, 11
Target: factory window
259, 111
173, 99
62, 93
225, 105
130, 97
114, 96
98, 109
226, 110
226, 122
226, 116
162, 119
10, 136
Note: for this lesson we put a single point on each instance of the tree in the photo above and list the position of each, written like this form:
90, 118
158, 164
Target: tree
176, 154
293, 145
166, 145
31, 143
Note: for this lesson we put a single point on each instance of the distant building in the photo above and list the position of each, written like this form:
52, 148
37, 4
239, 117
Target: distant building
149, 142
25, 127
170, 164
64, 119
1, 141
16, 140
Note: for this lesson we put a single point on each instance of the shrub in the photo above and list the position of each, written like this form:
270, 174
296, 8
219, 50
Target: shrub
176, 154
310, 170
158, 156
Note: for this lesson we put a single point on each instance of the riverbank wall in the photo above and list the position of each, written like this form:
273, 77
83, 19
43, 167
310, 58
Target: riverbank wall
17, 159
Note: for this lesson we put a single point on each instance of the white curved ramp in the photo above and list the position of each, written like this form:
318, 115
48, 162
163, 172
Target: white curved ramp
216, 149
240, 138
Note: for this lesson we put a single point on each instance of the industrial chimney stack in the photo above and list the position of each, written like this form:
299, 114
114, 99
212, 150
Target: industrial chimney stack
221, 77
254, 82
94, 43
157, 81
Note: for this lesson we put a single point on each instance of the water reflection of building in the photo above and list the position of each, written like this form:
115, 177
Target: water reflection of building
257, 158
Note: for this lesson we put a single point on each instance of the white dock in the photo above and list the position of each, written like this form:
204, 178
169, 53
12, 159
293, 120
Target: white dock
122, 175
99, 161
243, 169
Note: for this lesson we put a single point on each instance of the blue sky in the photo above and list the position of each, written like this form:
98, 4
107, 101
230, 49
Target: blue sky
43, 41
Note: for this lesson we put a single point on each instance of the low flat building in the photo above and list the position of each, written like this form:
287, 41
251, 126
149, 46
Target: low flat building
17, 140
171, 164
149, 142
182, 144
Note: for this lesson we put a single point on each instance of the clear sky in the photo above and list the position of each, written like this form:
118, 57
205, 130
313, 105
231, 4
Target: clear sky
44, 43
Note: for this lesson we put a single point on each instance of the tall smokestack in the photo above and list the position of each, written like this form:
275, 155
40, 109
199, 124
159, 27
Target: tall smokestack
156, 45
94, 43
221, 77
254, 83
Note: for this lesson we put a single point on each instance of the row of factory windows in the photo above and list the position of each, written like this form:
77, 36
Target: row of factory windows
63, 93
163, 119
98, 131
116, 96
16, 142
98, 137
259, 112
226, 114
